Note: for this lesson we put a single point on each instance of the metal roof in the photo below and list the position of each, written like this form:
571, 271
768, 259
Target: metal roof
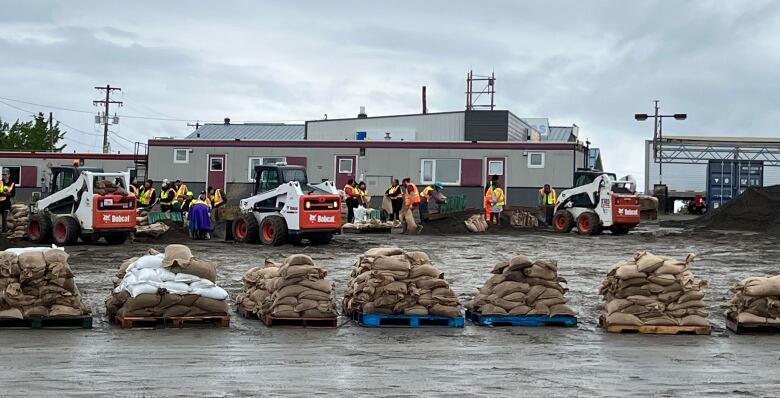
249, 131
561, 134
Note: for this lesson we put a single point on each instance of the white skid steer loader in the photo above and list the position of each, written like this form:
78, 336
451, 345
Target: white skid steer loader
599, 202
73, 209
286, 208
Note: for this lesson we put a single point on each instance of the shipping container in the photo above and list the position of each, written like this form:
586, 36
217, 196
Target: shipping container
727, 179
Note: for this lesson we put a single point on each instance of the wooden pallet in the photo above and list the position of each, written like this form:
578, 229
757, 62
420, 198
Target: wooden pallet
146, 322
751, 327
48, 322
658, 329
297, 323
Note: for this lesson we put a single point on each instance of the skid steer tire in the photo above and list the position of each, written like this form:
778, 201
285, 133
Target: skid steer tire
320, 239
65, 231
39, 229
246, 229
588, 224
273, 231
563, 221
115, 239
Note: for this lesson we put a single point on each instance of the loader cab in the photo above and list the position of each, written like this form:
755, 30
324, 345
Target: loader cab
587, 176
270, 177
63, 176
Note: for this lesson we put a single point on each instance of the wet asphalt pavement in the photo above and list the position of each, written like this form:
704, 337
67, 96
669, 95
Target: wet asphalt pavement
250, 359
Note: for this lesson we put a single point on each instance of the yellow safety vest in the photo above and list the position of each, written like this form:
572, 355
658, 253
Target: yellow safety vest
133, 190
359, 192
181, 192
551, 197
10, 187
499, 196
146, 196
393, 191
217, 197
426, 191
200, 202
167, 196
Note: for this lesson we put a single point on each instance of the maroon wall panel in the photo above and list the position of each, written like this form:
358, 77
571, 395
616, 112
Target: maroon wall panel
296, 161
29, 177
471, 172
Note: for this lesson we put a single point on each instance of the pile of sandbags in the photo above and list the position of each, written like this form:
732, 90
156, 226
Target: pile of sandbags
295, 289
152, 230
523, 287
476, 223
165, 285
368, 225
393, 281
106, 187
523, 218
38, 282
142, 217
653, 290
756, 300
16, 224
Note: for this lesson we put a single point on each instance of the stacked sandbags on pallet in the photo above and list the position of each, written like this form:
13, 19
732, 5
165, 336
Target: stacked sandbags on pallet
38, 282
393, 281
142, 217
653, 290
523, 218
756, 301
296, 289
16, 224
523, 287
476, 223
167, 285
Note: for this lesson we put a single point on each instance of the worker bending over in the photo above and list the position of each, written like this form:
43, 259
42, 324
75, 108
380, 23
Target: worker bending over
547, 198
218, 200
198, 217
426, 196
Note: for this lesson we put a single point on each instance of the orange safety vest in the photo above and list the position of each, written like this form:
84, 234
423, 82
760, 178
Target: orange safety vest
133, 189
488, 196
349, 190
412, 198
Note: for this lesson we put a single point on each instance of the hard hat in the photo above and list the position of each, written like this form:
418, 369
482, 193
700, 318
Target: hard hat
166, 181
439, 185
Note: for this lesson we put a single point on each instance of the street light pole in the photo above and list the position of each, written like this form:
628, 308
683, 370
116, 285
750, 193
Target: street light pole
658, 134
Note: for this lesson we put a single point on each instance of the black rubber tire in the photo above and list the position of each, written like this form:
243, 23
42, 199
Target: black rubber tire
320, 239
273, 231
115, 239
563, 221
44, 229
247, 223
70, 231
619, 230
588, 224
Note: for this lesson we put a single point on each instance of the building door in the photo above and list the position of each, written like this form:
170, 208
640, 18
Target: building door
216, 171
346, 169
496, 166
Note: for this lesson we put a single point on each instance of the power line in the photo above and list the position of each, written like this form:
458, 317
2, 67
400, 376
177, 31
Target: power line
45, 106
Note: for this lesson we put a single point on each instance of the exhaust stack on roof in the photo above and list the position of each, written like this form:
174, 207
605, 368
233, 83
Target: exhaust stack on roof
362, 114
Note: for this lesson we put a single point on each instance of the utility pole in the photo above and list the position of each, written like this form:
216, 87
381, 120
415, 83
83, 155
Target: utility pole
51, 129
656, 124
196, 125
106, 103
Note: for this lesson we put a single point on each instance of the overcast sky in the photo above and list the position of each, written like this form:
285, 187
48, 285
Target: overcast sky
592, 63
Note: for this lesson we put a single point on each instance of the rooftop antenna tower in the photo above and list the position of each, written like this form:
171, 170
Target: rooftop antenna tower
486, 85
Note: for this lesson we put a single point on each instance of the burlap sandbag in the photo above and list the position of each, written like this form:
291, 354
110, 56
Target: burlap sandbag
408, 218
430, 284
647, 262
418, 258
9, 265
61, 310
628, 271
32, 266
671, 267
177, 255
38, 310
693, 320
763, 286
443, 310
746, 317
392, 263
13, 313
145, 300
319, 284
285, 311
620, 318
519, 310
212, 306
383, 251
201, 268
298, 259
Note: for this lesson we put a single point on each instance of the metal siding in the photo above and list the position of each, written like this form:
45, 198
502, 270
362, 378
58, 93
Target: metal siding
728, 179
486, 125
517, 129
560, 134
395, 162
429, 127
260, 131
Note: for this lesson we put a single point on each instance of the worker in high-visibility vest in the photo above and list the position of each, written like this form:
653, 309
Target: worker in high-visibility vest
148, 196
7, 191
547, 198
426, 197
489, 196
198, 217
411, 201
181, 190
396, 195
167, 197
351, 199
218, 199
496, 203
133, 188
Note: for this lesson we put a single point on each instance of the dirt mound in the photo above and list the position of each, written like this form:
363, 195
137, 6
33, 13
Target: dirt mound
757, 209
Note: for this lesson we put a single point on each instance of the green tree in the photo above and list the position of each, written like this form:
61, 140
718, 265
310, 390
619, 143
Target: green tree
33, 135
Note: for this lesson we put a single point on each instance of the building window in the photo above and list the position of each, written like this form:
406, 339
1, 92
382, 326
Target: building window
216, 164
260, 161
496, 168
345, 166
447, 171
181, 155
535, 160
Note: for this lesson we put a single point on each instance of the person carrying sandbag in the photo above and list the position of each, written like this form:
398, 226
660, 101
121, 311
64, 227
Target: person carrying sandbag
411, 201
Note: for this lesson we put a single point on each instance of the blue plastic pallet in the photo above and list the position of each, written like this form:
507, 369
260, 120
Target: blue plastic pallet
407, 321
521, 320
